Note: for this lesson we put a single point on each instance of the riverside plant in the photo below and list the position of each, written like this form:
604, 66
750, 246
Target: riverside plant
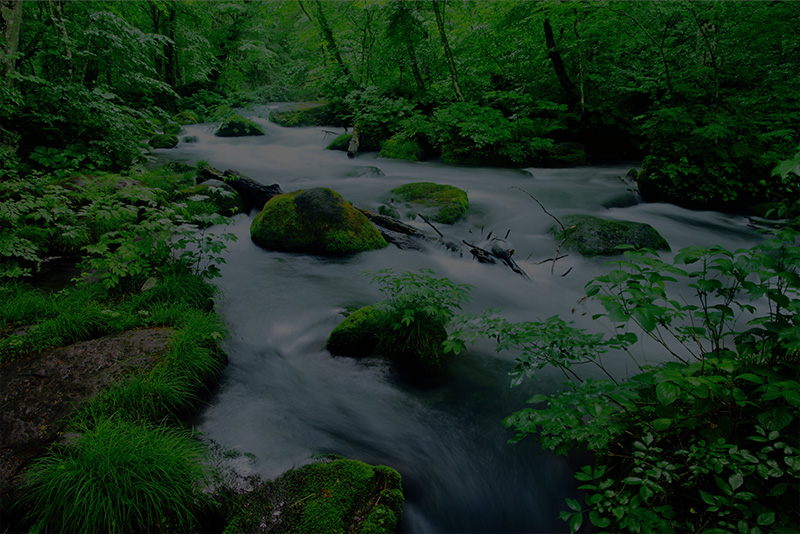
703, 442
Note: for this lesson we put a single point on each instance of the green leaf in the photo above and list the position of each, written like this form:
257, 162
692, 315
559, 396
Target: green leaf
707, 498
776, 419
574, 505
575, 522
735, 481
667, 392
598, 520
766, 518
662, 424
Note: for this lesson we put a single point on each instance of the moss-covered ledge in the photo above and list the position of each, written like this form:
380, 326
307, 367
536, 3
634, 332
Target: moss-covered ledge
448, 203
334, 495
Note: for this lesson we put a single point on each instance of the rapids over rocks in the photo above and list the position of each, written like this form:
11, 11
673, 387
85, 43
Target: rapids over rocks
284, 398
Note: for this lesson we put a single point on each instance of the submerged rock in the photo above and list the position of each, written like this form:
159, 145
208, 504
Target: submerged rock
315, 221
593, 236
238, 126
447, 203
333, 495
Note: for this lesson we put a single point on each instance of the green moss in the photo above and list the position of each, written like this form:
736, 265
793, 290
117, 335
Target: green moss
185, 117
316, 221
593, 236
164, 141
172, 128
451, 203
238, 126
398, 148
357, 335
338, 496
341, 142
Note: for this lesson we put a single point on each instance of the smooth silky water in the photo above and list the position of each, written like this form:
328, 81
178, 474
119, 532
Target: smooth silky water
283, 398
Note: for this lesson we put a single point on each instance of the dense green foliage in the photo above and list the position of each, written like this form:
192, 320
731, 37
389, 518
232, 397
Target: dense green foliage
703, 442
705, 92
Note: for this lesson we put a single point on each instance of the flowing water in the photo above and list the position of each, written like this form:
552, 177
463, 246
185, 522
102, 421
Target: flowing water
284, 398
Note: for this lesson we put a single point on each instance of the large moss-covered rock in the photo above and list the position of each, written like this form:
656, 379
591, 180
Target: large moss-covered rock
447, 203
316, 221
593, 236
416, 350
238, 126
358, 334
337, 495
164, 141
399, 148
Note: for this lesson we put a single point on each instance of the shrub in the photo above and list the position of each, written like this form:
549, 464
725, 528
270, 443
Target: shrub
118, 477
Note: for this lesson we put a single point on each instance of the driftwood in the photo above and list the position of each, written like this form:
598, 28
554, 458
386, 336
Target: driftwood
498, 252
252, 193
391, 224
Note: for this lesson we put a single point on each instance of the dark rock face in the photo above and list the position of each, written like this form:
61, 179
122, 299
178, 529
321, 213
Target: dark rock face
40, 393
314, 221
593, 236
566, 154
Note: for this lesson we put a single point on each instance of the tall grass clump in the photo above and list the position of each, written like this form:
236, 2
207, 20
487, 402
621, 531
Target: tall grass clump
119, 477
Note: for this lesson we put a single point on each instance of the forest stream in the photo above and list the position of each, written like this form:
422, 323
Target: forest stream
283, 398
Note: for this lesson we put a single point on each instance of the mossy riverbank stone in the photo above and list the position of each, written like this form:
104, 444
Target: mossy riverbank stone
335, 495
447, 202
593, 236
164, 141
238, 126
314, 221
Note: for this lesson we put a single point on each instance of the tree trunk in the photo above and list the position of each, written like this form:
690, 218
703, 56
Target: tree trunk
558, 65
415, 66
329, 39
170, 49
10, 23
57, 16
438, 13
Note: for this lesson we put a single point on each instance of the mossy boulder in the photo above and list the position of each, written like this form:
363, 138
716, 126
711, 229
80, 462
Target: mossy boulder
164, 141
447, 203
416, 350
185, 117
238, 126
399, 148
358, 334
340, 143
593, 236
212, 196
315, 221
334, 495
172, 128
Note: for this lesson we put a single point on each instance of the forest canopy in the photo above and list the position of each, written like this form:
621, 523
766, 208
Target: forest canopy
705, 94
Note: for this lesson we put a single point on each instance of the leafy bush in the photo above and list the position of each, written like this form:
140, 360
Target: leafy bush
417, 310
699, 443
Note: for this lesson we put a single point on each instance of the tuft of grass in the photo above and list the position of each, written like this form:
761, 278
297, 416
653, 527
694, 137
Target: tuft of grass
119, 477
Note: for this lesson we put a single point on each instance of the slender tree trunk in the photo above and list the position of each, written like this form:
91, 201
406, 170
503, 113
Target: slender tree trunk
171, 50
329, 39
57, 16
412, 55
438, 13
10, 23
558, 64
